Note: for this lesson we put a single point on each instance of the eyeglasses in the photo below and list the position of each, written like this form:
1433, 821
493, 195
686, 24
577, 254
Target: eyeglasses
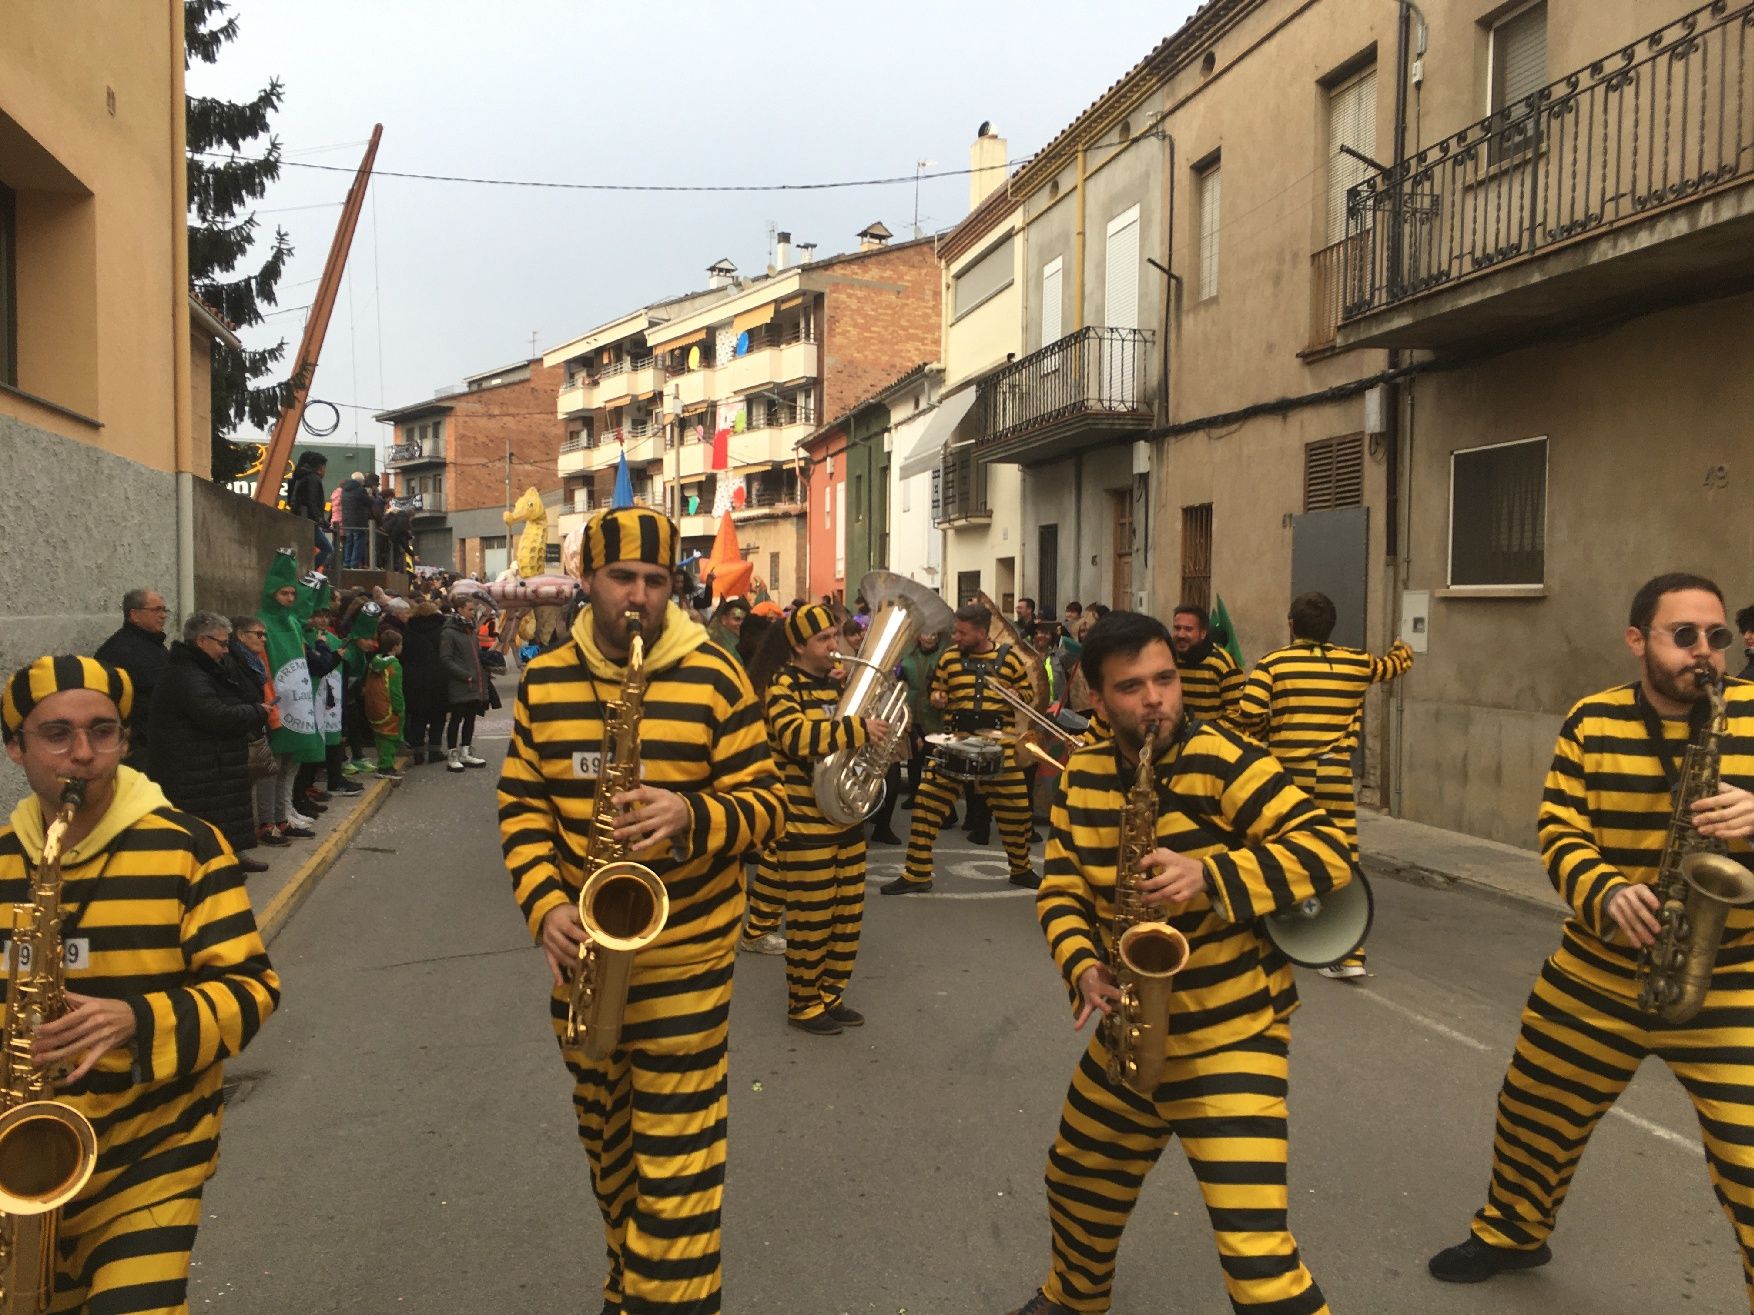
57, 737
160, 608
221, 640
252, 634
1686, 635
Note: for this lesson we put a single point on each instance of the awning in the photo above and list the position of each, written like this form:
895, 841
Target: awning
790, 302
930, 449
753, 319
686, 340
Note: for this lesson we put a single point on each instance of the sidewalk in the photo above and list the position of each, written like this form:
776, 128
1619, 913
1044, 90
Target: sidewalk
1412, 851
293, 870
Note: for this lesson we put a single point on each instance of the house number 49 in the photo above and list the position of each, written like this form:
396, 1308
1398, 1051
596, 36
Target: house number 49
1717, 477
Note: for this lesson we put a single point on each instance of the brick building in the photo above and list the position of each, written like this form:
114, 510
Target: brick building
462, 458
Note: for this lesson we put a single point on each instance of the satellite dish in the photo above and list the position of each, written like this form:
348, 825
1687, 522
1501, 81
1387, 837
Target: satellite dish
743, 343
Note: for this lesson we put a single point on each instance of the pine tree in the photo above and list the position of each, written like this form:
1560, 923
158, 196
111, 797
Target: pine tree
222, 234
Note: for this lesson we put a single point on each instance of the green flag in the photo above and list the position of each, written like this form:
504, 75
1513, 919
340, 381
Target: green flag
1221, 622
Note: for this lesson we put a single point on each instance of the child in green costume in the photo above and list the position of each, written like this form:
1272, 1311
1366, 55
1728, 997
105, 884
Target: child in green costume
384, 704
297, 741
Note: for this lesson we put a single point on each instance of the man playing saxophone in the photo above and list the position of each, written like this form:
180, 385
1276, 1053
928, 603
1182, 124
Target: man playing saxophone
1235, 840
1616, 783
166, 976
652, 1114
822, 865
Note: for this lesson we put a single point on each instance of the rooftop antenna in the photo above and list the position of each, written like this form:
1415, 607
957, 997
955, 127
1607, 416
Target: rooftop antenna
920, 168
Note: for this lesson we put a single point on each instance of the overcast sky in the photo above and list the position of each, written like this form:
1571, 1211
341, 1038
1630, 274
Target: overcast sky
448, 279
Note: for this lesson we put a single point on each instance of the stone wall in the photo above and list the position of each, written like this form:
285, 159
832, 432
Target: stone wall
235, 538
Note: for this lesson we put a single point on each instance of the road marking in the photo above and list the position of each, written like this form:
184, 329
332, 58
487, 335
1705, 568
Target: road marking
1656, 1130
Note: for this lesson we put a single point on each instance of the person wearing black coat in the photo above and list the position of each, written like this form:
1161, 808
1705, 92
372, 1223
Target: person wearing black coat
305, 497
425, 684
356, 519
203, 719
138, 649
465, 686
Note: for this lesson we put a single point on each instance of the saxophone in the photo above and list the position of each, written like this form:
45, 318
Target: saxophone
47, 1148
1697, 881
622, 904
1148, 951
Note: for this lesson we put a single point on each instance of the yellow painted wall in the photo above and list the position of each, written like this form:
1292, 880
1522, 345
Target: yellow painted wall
90, 144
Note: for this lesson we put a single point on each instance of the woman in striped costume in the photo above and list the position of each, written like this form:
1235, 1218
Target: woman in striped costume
1236, 841
1303, 702
652, 1115
166, 978
822, 865
1603, 821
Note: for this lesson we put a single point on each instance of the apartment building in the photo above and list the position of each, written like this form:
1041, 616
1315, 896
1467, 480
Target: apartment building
461, 459
747, 367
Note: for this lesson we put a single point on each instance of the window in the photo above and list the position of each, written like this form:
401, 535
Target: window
1519, 69
1052, 302
8, 288
1351, 123
985, 277
1197, 555
1120, 294
773, 571
1498, 514
1333, 473
1210, 190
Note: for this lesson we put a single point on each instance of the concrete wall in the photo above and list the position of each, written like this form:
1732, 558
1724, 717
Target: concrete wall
825, 534
235, 539
916, 546
1074, 495
761, 538
1639, 422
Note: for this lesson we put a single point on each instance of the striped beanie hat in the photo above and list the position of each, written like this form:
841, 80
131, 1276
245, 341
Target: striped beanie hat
630, 534
30, 685
808, 622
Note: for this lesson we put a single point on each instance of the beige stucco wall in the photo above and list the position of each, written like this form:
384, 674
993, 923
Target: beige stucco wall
86, 140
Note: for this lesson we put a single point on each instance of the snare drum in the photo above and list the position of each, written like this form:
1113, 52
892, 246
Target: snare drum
966, 757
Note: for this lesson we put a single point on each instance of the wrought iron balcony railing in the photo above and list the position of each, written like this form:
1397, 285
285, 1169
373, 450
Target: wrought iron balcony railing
1664, 120
1094, 372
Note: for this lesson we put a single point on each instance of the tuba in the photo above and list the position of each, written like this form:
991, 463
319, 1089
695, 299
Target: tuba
48, 1149
849, 782
622, 904
1148, 951
1697, 881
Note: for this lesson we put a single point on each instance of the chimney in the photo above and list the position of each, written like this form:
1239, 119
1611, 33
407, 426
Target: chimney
782, 250
986, 163
806, 252
874, 235
721, 274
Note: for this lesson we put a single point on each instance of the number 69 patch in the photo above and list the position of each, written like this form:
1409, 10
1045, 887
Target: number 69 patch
76, 953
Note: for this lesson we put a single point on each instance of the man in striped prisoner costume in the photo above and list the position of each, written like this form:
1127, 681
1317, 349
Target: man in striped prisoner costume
1236, 841
166, 978
652, 1115
1211, 680
961, 684
1603, 821
822, 865
1304, 703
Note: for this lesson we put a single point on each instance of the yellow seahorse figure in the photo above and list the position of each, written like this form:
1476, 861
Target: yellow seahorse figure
532, 556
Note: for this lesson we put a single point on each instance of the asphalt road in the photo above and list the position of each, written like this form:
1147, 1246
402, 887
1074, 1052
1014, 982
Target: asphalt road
401, 1138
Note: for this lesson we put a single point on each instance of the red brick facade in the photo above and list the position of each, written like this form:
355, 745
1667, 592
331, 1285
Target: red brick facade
881, 319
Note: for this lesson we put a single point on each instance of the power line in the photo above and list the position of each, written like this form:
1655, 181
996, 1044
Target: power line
611, 187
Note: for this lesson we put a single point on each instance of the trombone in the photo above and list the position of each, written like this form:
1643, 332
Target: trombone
1038, 722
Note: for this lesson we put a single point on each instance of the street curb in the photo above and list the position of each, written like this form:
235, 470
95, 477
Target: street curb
1416, 874
292, 894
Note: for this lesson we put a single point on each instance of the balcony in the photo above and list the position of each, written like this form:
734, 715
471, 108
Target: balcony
697, 527
577, 397
575, 455
411, 456
1623, 185
690, 388
428, 504
772, 363
764, 444
1082, 391
621, 380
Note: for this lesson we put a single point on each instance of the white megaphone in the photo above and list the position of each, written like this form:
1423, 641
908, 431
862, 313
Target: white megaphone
1325, 928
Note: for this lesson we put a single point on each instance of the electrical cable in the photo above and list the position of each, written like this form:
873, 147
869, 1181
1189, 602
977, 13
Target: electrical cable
319, 430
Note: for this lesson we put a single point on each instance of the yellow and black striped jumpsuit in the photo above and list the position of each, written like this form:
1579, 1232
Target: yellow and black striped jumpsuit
155, 915
1265, 847
1211, 682
1604, 815
822, 866
1303, 702
970, 706
652, 1115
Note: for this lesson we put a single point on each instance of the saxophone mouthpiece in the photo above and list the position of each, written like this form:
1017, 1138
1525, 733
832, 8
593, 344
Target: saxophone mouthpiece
631, 619
73, 790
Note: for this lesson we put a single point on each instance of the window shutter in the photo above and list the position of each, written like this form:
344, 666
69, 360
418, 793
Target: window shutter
1351, 122
1052, 302
1211, 187
1333, 473
983, 278
1120, 301
1519, 56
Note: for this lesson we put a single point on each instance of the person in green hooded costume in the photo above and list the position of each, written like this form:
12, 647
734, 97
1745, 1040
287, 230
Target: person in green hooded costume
357, 652
297, 740
323, 650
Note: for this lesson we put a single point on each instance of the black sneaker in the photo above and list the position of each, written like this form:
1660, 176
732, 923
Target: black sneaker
820, 1025
1028, 880
268, 836
982, 837
902, 886
387, 774
884, 836
250, 865
1040, 1305
349, 787
1475, 1261
845, 1015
